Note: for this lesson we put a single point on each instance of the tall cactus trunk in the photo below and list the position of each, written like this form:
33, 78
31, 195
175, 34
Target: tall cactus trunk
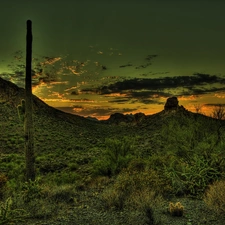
28, 122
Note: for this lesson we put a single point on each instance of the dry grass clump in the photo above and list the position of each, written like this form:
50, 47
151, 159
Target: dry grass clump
215, 196
135, 189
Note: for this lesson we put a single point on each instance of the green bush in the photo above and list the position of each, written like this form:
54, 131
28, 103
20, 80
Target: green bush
12, 165
31, 190
8, 215
62, 193
117, 155
65, 177
192, 177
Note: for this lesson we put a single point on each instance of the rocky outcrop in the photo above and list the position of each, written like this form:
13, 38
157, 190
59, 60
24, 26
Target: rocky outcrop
119, 118
171, 103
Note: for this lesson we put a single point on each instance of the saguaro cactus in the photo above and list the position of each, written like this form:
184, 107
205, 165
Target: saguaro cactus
28, 122
21, 110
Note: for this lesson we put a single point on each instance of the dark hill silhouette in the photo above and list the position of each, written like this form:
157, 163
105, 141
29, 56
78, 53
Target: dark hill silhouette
53, 128
172, 109
11, 96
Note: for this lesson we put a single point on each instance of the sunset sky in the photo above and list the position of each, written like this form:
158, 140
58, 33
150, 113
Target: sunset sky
97, 57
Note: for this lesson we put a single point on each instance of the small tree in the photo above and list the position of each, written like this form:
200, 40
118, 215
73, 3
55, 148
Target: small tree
218, 112
198, 108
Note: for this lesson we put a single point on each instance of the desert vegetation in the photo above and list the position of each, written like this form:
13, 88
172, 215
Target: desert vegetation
169, 169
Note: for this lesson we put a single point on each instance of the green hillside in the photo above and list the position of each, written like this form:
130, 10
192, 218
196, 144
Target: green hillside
118, 171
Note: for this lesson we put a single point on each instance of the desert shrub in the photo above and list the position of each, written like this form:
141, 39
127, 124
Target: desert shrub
39, 208
184, 137
191, 177
137, 164
13, 166
184, 133
144, 199
62, 193
49, 163
134, 189
31, 190
117, 155
99, 182
73, 166
113, 198
10, 215
33, 200
215, 196
64, 177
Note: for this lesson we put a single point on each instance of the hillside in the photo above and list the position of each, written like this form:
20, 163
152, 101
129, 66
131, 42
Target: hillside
124, 170
48, 121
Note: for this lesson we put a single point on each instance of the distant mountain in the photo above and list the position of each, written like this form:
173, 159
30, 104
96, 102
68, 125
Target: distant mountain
172, 109
12, 95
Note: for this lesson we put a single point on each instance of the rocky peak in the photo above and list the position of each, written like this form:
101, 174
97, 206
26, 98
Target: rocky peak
171, 104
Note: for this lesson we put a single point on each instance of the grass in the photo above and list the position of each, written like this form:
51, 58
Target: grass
215, 196
83, 165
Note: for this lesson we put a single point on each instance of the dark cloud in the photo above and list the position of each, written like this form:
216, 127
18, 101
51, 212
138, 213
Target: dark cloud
78, 106
119, 100
81, 100
203, 90
74, 93
149, 90
149, 101
147, 94
148, 58
214, 105
145, 87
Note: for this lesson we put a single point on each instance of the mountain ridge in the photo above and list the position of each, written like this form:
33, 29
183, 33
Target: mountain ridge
11, 94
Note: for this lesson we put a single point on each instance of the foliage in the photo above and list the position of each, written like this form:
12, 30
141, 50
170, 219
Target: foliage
48, 163
117, 155
13, 167
136, 189
66, 178
63, 193
31, 190
182, 136
8, 215
192, 156
192, 177
215, 196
